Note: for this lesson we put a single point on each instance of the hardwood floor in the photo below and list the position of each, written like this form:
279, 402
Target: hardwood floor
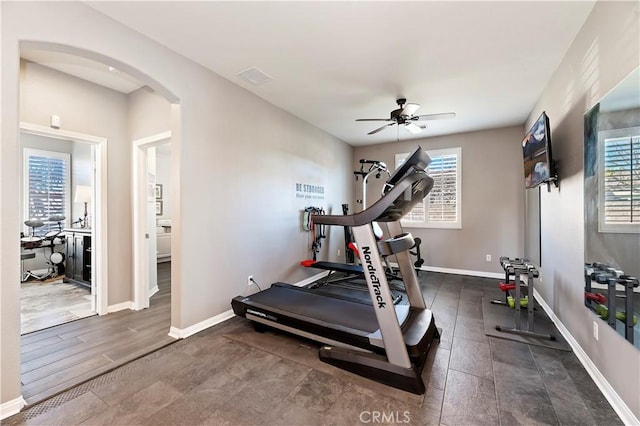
58, 358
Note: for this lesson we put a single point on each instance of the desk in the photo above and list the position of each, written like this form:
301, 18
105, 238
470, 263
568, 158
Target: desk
78, 256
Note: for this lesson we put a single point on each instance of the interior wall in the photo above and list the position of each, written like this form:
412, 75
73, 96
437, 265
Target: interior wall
91, 109
82, 162
150, 115
532, 220
163, 177
603, 53
239, 211
492, 198
81, 166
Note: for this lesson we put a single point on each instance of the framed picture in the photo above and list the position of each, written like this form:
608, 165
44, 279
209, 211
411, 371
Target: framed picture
158, 191
158, 208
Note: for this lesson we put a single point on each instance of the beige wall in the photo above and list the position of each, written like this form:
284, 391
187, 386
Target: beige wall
235, 177
87, 108
149, 113
492, 198
604, 52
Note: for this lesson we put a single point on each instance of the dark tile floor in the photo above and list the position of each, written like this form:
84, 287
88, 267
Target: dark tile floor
232, 375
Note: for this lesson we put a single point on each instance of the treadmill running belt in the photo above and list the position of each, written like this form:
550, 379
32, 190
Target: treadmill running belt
343, 313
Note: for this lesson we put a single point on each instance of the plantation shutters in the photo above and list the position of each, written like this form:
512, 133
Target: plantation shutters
442, 207
46, 186
620, 184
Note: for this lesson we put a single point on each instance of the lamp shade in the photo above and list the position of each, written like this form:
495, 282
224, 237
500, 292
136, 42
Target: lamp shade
83, 194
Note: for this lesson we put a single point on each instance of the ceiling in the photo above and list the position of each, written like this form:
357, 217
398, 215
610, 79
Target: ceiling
334, 62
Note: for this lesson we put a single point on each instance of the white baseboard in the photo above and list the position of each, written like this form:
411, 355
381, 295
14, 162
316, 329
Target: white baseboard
623, 411
12, 407
153, 291
482, 274
178, 333
120, 307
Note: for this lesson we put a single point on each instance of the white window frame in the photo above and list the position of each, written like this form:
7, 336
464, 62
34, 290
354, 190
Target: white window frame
603, 225
426, 223
28, 152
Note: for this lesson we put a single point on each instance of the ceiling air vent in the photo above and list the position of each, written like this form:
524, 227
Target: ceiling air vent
254, 76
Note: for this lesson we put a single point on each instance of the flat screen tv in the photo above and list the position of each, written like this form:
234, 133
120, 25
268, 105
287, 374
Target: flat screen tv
536, 152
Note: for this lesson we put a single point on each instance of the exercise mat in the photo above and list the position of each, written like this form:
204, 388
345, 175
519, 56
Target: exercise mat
505, 317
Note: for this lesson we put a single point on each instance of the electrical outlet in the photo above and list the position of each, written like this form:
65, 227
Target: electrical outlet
595, 330
488, 257
250, 280
338, 252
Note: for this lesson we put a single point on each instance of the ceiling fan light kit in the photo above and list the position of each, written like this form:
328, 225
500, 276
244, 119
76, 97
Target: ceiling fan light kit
404, 114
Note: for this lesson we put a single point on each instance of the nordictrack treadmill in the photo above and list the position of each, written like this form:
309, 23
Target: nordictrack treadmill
384, 342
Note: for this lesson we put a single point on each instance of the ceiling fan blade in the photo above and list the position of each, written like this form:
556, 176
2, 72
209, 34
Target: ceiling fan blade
373, 119
413, 128
441, 116
380, 128
409, 109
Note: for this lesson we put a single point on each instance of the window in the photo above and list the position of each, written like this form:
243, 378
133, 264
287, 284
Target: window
442, 208
46, 186
619, 180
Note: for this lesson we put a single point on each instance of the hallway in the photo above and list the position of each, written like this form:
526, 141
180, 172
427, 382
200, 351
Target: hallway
58, 358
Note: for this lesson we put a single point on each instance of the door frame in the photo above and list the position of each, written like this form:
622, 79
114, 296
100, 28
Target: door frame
139, 216
99, 242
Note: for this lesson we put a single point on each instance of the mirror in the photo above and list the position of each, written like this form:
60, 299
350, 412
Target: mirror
612, 208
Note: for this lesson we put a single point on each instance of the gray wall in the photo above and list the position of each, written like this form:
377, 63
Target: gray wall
492, 198
235, 180
603, 53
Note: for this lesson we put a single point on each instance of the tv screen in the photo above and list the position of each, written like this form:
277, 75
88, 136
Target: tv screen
536, 151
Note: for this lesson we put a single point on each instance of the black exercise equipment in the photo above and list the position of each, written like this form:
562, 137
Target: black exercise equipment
606, 306
382, 341
519, 268
348, 238
508, 265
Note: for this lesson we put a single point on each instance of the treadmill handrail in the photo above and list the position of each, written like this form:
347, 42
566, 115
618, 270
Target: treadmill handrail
382, 210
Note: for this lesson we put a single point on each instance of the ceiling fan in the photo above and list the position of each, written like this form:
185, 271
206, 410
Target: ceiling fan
404, 116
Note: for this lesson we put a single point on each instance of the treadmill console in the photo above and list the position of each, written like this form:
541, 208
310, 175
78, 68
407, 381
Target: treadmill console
418, 159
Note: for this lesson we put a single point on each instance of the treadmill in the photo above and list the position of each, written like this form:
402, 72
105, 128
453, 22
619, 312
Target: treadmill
381, 341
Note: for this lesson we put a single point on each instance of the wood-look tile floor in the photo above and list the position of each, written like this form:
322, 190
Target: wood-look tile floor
231, 375
60, 357
44, 304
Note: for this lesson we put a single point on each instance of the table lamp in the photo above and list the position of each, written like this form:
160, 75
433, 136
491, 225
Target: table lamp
83, 195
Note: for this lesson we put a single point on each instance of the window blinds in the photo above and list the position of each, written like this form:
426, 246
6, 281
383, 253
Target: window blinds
442, 199
47, 188
622, 180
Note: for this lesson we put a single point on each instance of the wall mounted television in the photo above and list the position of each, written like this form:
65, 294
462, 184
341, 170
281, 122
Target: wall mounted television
536, 151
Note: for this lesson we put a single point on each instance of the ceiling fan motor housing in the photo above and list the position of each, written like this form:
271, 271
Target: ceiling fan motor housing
396, 114
405, 114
